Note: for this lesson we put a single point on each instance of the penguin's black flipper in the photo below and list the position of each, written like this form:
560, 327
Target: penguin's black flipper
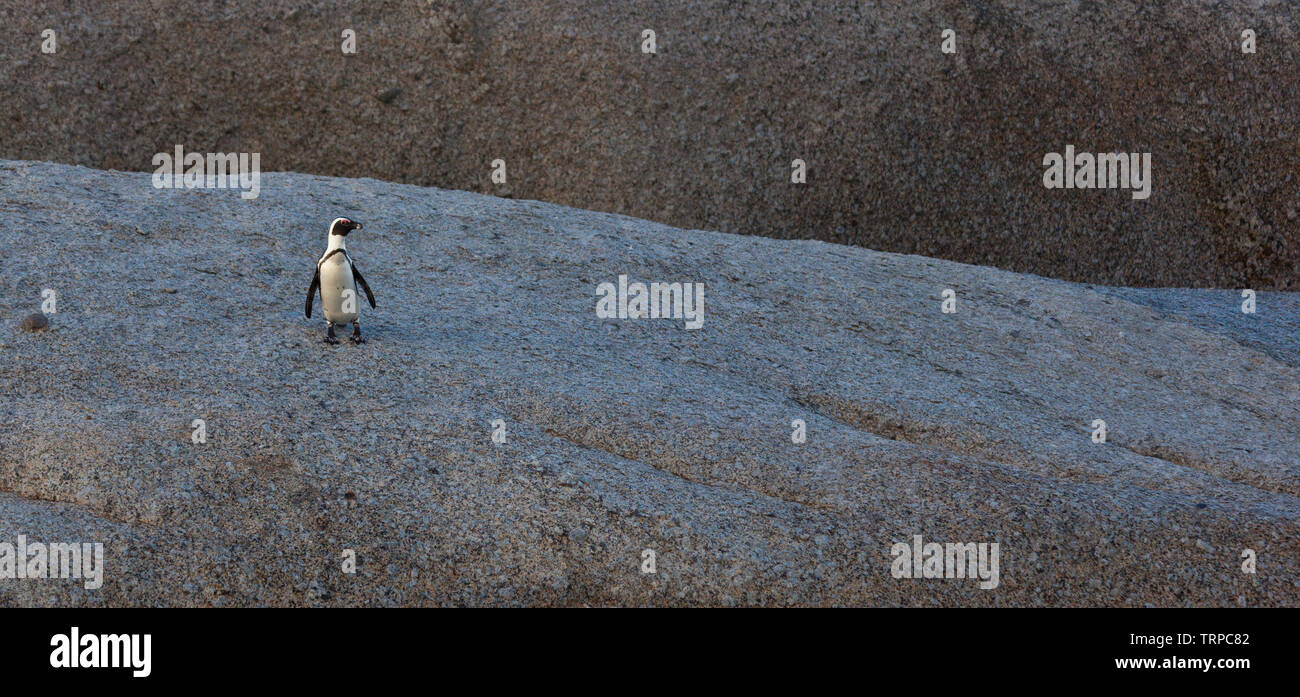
356, 275
311, 292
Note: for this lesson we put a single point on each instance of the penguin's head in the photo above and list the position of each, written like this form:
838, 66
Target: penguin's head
342, 226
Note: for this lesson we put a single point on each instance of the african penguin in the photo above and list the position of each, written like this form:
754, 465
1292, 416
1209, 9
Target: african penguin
337, 279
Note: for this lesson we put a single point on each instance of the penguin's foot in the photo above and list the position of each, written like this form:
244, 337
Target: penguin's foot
356, 334
332, 340
329, 334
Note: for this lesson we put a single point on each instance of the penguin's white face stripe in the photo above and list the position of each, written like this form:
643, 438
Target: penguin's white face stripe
342, 226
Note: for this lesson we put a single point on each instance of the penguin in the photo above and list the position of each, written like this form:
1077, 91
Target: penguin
337, 279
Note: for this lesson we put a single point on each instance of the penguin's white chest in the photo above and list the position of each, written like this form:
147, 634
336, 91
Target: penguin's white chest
338, 290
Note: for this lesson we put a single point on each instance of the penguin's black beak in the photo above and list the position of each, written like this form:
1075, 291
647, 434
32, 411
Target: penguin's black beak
356, 225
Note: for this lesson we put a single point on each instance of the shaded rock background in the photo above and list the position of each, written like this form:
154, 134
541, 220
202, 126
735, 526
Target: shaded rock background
621, 435
909, 150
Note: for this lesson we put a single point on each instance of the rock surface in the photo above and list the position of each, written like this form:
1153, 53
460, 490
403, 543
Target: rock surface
908, 149
621, 435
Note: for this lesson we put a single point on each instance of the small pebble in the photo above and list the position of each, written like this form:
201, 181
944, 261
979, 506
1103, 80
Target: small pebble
35, 322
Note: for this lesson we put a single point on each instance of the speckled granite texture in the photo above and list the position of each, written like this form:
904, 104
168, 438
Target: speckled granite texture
909, 149
621, 435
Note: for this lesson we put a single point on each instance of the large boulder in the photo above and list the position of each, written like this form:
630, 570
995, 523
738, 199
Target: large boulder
908, 149
620, 435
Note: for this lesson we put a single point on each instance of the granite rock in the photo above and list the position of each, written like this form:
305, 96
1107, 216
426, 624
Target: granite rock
620, 435
908, 149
